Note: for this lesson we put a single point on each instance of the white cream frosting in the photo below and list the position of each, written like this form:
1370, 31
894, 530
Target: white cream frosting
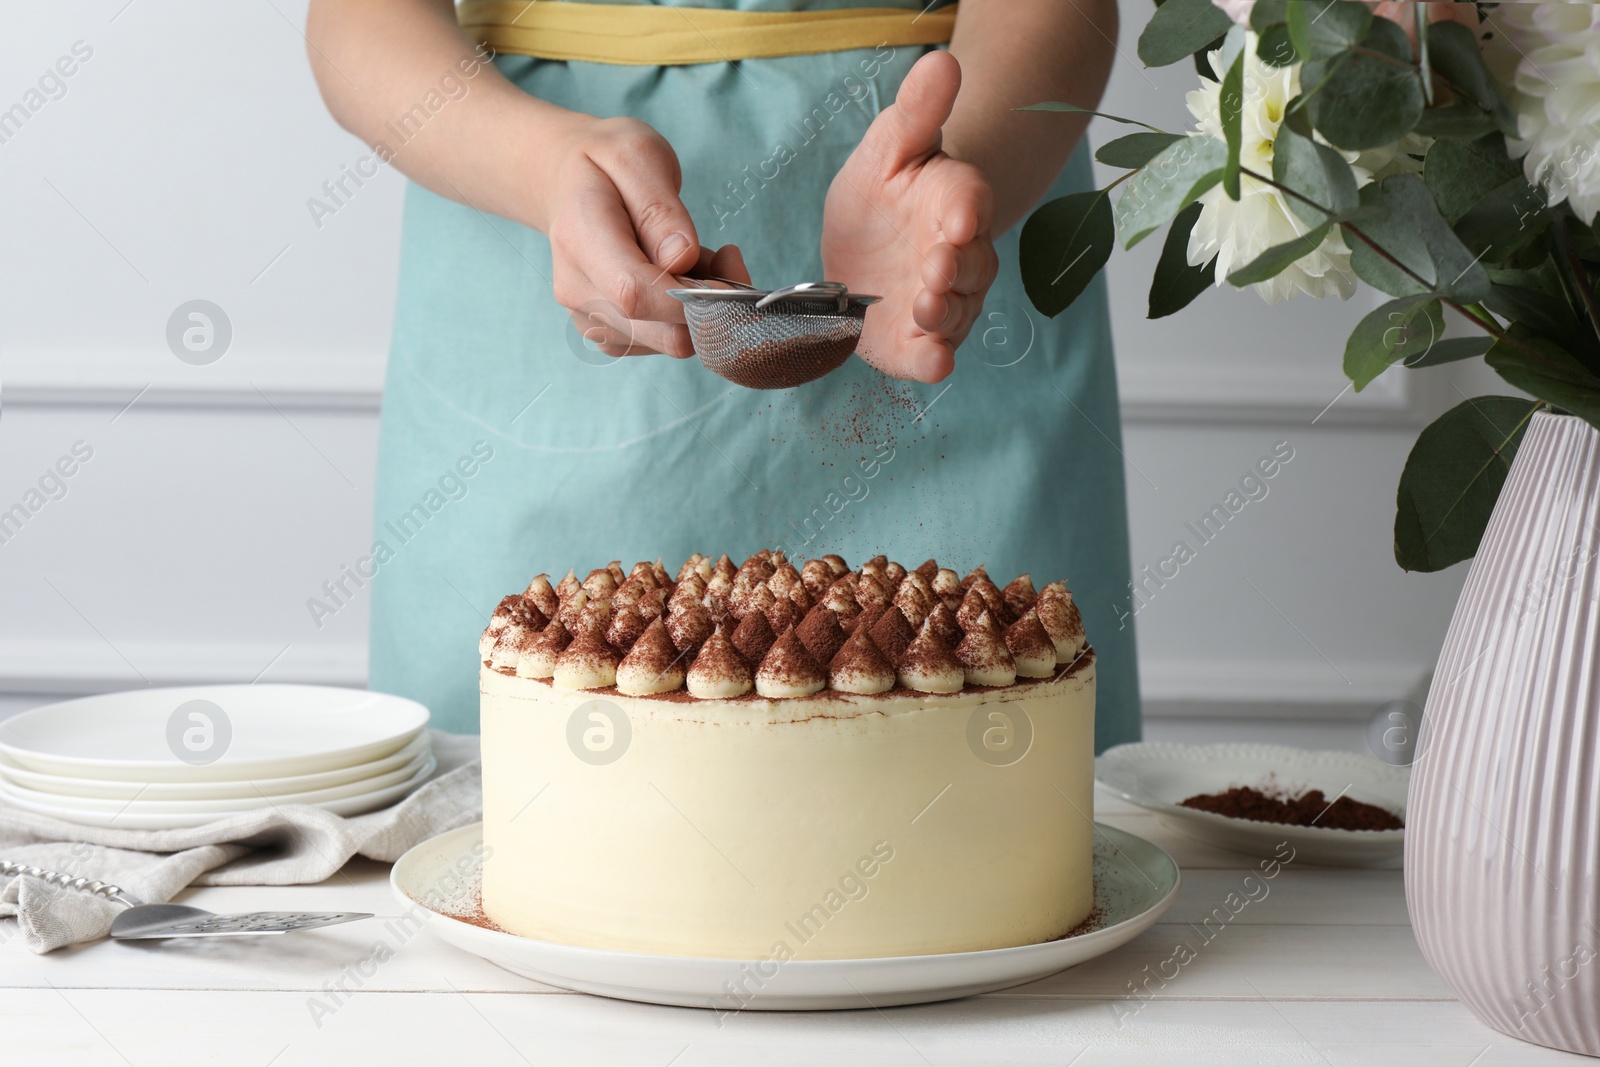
723, 827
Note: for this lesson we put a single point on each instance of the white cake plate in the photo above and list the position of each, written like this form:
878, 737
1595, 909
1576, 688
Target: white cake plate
1134, 883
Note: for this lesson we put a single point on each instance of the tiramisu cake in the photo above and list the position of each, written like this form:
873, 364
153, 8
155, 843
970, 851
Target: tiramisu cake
770, 761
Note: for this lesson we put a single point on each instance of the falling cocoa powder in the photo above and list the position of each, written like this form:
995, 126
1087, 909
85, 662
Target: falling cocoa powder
1310, 808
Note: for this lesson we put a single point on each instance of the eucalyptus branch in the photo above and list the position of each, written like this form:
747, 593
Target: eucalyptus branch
1574, 265
1297, 194
1488, 325
1333, 216
1367, 53
1486, 322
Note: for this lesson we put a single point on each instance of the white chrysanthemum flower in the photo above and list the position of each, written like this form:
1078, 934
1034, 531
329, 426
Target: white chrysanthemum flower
1397, 157
1236, 232
1548, 54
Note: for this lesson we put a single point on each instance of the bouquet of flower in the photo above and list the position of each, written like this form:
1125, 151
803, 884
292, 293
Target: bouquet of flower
1451, 166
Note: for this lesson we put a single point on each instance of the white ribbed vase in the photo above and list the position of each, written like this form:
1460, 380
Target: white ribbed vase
1502, 855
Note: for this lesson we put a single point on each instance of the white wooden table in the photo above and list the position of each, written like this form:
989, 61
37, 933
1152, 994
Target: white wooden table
1323, 969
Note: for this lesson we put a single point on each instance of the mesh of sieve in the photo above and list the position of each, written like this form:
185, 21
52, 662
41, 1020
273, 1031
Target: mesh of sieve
774, 338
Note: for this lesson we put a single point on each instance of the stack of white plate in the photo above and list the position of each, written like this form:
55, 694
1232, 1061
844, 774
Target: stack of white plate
156, 759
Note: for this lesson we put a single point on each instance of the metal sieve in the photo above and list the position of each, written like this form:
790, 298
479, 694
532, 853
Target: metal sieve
773, 338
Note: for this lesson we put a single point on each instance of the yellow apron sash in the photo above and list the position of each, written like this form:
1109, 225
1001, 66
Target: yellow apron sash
650, 35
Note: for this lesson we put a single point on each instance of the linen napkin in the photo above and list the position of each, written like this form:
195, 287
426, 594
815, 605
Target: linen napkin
289, 844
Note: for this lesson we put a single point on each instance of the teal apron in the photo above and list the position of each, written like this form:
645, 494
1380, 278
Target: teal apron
508, 448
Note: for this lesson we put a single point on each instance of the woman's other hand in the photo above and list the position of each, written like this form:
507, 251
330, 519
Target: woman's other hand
905, 221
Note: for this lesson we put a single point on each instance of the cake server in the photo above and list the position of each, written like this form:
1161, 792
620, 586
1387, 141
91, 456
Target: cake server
143, 920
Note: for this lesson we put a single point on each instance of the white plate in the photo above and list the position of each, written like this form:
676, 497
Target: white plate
356, 805
275, 731
141, 806
106, 789
1134, 883
1158, 776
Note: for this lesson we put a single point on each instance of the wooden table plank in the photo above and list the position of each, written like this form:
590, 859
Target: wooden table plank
135, 1027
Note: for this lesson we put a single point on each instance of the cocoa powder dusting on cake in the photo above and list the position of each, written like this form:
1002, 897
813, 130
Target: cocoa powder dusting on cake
476, 917
998, 637
589, 652
783, 613
929, 655
1091, 922
991, 596
553, 638
1019, 595
719, 662
1310, 808
943, 621
654, 652
754, 637
893, 634
789, 664
973, 604
861, 656
626, 626
821, 633
689, 625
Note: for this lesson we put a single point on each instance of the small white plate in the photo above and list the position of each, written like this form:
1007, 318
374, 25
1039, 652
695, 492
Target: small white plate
1134, 883
1159, 776
129, 820
272, 731
212, 805
106, 789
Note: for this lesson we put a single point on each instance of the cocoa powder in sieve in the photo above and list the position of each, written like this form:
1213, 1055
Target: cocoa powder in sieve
785, 364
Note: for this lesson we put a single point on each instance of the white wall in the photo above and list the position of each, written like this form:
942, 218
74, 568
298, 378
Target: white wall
177, 166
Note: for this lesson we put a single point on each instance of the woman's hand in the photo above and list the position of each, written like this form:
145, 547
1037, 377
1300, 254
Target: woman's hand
907, 222
1404, 13
619, 236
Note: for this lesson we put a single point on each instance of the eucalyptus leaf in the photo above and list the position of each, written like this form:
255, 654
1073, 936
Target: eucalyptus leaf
1273, 261
1457, 58
1232, 106
1504, 222
1374, 97
1457, 121
1452, 479
1460, 173
1321, 29
1202, 60
1315, 171
1179, 29
1177, 282
1274, 48
1535, 300
1063, 246
1074, 109
1266, 14
1170, 182
1134, 150
1401, 329
1451, 350
1539, 366
1401, 218
1297, 117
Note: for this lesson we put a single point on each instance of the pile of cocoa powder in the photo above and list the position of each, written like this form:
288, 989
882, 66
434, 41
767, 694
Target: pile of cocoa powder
1310, 808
